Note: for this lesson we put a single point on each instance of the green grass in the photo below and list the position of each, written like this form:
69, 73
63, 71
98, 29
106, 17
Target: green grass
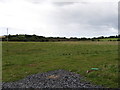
26, 58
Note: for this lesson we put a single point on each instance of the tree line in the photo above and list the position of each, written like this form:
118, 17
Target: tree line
36, 38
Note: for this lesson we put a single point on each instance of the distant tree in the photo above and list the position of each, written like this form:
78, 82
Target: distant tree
25, 37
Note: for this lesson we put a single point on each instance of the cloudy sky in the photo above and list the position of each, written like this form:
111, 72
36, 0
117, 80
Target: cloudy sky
63, 19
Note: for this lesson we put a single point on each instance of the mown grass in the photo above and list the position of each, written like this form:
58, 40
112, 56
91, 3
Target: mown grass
26, 58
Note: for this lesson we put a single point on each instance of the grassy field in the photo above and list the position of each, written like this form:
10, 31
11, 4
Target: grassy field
108, 39
26, 58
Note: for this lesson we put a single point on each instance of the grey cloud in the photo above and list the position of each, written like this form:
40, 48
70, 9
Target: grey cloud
91, 18
63, 3
35, 1
71, 19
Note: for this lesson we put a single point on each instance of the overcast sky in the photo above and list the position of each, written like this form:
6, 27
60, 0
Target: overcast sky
59, 19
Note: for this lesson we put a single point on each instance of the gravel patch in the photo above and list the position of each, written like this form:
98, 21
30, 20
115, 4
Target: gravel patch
51, 79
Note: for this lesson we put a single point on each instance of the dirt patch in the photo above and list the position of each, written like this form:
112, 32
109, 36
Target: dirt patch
53, 76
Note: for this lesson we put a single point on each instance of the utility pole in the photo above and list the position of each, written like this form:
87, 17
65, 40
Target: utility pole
7, 34
7, 40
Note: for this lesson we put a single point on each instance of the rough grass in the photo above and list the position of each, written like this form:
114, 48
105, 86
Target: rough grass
25, 58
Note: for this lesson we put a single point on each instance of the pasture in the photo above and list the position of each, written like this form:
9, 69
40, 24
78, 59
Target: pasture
109, 39
20, 59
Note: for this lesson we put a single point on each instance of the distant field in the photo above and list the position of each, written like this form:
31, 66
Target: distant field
108, 39
25, 58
